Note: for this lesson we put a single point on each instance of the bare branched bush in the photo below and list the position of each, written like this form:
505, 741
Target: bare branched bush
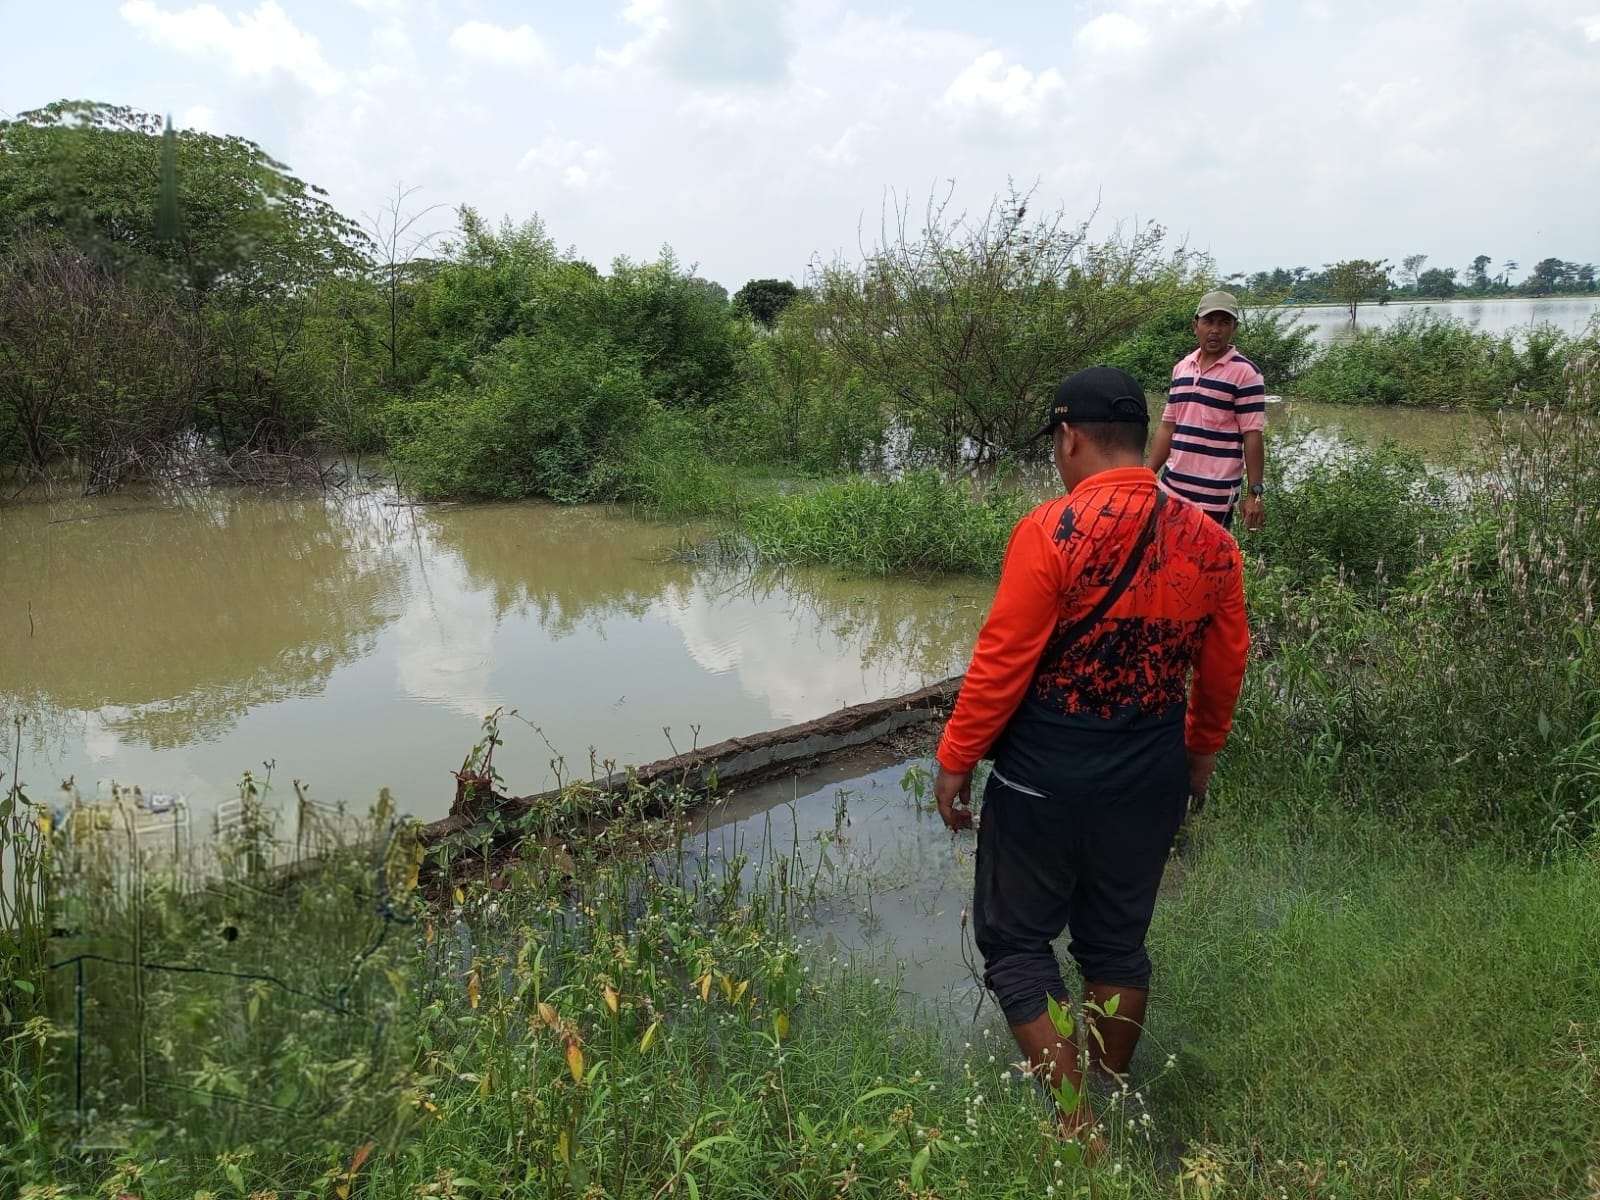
95, 367
968, 323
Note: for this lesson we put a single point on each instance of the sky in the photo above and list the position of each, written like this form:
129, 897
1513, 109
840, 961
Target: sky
759, 138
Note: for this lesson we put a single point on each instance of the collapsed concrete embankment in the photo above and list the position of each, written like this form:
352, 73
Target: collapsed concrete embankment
737, 762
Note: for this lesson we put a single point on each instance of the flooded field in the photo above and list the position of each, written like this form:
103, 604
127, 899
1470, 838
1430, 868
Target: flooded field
175, 643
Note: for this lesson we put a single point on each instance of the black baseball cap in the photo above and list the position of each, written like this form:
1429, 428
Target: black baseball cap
1097, 395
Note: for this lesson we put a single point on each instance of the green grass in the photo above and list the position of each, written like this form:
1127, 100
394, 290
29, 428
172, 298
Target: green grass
921, 524
1406, 1014
1349, 1013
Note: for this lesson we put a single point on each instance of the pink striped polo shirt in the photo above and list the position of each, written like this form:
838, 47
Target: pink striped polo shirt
1211, 414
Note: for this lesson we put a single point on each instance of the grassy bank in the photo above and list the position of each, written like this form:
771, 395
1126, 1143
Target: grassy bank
1340, 1012
1363, 1010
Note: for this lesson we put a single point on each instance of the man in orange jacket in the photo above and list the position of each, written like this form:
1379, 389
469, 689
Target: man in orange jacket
1103, 685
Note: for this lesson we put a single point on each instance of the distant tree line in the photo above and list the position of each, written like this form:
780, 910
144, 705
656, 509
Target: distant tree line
1414, 279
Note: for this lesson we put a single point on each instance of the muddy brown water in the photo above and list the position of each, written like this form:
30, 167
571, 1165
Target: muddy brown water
175, 643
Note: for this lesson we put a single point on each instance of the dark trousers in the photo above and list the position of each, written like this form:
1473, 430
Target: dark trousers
1090, 863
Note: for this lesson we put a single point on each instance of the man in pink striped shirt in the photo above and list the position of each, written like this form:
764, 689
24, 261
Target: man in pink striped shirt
1209, 439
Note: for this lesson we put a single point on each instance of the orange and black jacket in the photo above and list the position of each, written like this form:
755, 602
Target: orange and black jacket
1064, 684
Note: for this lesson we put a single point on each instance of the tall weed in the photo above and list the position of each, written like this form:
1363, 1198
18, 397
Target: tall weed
1458, 693
921, 524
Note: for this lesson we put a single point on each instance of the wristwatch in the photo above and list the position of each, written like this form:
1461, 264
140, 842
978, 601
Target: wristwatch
1256, 489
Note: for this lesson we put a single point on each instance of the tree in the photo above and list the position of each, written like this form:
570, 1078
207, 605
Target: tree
397, 242
763, 300
967, 324
1506, 268
1439, 284
1357, 279
94, 172
1480, 272
94, 364
1411, 267
228, 252
1548, 276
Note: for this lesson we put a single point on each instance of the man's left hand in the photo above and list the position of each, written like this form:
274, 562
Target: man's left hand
953, 791
1255, 513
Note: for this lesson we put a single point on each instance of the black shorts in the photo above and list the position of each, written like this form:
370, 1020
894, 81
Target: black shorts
1090, 863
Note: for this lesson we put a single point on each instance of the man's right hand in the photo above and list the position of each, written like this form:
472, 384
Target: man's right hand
1200, 768
953, 791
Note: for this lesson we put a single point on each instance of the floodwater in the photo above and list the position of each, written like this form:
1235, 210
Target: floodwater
1569, 314
176, 641
1440, 437
881, 879
357, 643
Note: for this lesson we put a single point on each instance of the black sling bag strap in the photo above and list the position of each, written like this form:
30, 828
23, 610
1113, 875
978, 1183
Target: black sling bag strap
1113, 593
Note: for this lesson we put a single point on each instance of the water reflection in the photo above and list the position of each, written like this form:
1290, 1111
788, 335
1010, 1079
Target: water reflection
1443, 438
881, 873
174, 619
558, 565
359, 644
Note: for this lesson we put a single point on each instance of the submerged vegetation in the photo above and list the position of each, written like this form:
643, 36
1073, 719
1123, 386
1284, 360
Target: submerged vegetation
1429, 360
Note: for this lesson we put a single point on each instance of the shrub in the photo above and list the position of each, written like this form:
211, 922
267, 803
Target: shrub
541, 417
1458, 693
802, 408
1370, 511
1425, 359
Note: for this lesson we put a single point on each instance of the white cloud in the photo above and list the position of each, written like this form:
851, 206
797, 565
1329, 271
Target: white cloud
261, 44
199, 117
577, 166
1134, 29
708, 41
1591, 27
1113, 33
1014, 95
519, 47
844, 152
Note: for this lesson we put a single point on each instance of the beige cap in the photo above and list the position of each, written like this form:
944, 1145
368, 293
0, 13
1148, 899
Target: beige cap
1218, 302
